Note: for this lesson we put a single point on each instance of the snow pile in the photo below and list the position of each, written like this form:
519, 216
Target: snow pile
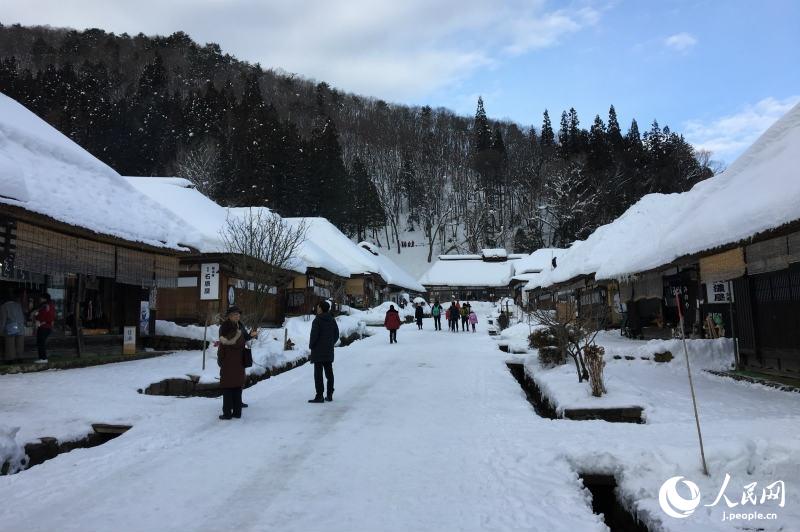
376, 315
516, 337
43, 171
633, 382
758, 192
299, 327
193, 332
716, 354
11, 452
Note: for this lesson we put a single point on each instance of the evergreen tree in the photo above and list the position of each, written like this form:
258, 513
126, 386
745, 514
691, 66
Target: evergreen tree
547, 138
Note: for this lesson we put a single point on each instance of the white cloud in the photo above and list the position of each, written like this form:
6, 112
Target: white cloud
728, 136
680, 42
385, 48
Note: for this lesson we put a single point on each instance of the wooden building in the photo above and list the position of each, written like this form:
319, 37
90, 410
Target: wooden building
72, 227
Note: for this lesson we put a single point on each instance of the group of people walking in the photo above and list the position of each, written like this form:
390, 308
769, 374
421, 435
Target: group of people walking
461, 313
454, 314
234, 356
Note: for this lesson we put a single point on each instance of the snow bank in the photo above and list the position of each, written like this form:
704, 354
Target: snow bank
194, 332
11, 451
43, 171
715, 354
758, 192
376, 315
635, 382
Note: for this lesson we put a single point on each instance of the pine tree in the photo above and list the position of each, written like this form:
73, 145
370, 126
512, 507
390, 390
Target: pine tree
547, 138
481, 131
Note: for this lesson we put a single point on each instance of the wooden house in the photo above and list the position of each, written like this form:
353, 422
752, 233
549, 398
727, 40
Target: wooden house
72, 227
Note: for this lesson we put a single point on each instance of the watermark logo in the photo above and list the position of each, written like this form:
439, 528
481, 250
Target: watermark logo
678, 506
675, 505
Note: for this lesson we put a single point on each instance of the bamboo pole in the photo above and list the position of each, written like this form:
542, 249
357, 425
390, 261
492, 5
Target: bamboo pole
691, 385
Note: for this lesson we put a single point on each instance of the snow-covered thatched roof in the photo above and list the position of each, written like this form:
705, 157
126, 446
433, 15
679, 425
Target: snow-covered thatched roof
43, 171
758, 192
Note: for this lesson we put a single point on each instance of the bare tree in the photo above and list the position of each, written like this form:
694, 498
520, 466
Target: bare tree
262, 246
574, 330
200, 164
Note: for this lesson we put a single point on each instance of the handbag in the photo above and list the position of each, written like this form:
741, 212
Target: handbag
247, 357
13, 328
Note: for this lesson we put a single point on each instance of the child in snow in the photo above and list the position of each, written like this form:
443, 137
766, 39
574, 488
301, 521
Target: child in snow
473, 319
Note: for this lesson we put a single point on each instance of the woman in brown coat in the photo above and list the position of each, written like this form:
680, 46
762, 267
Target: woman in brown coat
230, 358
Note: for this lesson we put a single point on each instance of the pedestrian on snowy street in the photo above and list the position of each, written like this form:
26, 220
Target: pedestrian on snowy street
12, 326
473, 318
45, 315
453, 317
324, 335
392, 322
436, 312
464, 317
230, 359
419, 314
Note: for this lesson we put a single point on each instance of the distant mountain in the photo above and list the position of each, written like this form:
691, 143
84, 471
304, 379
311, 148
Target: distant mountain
246, 135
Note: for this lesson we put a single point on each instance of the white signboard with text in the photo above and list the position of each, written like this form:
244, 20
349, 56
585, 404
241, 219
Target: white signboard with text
209, 281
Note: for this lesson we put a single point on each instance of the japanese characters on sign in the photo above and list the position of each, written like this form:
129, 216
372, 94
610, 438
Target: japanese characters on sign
719, 292
209, 281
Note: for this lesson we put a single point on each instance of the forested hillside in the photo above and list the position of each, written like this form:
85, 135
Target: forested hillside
250, 136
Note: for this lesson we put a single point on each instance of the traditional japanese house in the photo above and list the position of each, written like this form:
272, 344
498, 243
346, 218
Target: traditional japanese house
530, 268
319, 275
395, 281
74, 228
728, 247
471, 277
212, 278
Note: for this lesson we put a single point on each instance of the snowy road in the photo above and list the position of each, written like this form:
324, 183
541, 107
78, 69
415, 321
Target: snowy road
431, 433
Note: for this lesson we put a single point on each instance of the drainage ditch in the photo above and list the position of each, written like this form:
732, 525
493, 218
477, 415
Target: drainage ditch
544, 407
48, 448
539, 402
605, 502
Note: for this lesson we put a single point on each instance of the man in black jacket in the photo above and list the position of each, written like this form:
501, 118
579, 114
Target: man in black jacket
324, 335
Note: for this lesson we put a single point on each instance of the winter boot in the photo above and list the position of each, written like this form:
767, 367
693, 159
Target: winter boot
317, 399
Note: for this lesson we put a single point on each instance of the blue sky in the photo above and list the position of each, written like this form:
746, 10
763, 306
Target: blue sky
718, 71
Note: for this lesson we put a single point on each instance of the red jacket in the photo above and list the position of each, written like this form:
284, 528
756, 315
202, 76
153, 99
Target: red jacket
392, 321
46, 315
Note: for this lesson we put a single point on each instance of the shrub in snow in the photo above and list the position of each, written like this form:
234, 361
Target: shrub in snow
551, 356
666, 356
542, 337
593, 358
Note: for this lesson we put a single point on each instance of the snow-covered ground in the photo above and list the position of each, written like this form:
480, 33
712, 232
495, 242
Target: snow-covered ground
432, 433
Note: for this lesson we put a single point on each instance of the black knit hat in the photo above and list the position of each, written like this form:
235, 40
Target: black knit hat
232, 310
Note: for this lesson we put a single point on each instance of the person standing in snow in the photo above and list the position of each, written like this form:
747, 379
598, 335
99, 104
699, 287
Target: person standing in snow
453, 317
45, 315
473, 318
247, 336
324, 335
12, 326
436, 312
464, 317
392, 322
230, 359
419, 314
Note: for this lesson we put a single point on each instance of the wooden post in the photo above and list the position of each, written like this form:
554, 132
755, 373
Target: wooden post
732, 317
78, 326
691, 385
